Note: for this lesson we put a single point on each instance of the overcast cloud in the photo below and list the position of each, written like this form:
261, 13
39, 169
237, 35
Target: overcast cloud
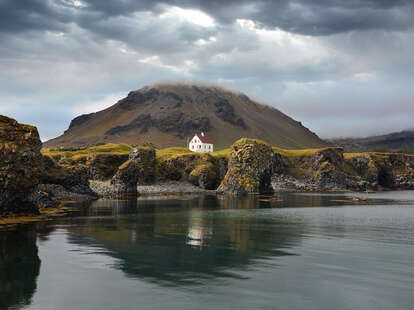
343, 68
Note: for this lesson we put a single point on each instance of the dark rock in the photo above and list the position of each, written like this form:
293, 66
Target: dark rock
222, 166
125, 180
20, 166
138, 169
146, 160
250, 168
136, 98
74, 179
205, 176
334, 156
43, 198
104, 166
175, 122
80, 120
201, 169
225, 111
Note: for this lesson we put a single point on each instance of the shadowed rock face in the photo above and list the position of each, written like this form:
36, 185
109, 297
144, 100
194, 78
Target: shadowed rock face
20, 166
104, 166
250, 168
175, 122
138, 169
73, 179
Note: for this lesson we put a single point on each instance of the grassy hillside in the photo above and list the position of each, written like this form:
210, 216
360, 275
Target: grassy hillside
394, 142
169, 114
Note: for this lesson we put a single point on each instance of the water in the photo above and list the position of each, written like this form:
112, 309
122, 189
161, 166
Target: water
204, 252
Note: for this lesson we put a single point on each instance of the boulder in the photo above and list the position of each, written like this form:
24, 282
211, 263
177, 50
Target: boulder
104, 166
73, 179
205, 176
138, 169
20, 166
364, 166
250, 168
125, 180
200, 169
332, 155
146, 161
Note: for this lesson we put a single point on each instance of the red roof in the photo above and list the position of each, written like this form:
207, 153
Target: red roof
204, 139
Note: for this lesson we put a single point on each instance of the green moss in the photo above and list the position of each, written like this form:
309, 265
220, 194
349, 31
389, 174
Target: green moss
81, 154
304, 152
350, 170
206, 167
173, 152
249, 141
221, 154
125, 164
298, 172
151, 145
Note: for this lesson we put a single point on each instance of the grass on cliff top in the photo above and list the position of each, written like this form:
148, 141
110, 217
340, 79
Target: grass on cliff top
80, 152
172, 152
250, 140
375, 154
298, 153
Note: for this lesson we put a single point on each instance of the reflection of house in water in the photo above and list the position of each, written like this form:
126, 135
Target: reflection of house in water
177, 242
199, 230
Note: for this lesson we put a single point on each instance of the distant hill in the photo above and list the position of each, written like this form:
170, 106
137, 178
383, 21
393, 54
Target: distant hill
168, 114
395, 142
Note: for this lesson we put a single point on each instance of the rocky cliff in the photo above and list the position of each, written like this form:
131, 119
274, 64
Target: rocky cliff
250, 168
20, 166
29, 179
138, 169
332, 169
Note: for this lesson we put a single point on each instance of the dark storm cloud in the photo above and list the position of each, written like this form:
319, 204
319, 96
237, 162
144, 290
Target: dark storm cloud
325, 62
316, 17
25, 15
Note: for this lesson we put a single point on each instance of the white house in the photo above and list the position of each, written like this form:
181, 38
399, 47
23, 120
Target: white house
201, 143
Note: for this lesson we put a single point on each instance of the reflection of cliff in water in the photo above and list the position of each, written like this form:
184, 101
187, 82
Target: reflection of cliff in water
19, 268
174, 242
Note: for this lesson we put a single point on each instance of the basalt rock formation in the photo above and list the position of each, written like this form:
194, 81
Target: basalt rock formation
20, 166
331, 169
104, 166
201, 169
65, 181
250, 168
138, 169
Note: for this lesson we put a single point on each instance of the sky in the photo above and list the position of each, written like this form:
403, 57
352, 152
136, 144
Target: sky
342, 68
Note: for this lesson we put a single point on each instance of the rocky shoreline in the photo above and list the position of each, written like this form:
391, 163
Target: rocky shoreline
30, 180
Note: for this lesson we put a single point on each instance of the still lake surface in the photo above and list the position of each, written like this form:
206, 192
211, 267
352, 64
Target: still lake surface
206, 252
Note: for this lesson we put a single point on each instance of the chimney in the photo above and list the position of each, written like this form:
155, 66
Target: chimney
202, 134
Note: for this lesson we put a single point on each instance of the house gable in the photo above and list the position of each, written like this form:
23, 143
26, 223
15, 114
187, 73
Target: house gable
201, 143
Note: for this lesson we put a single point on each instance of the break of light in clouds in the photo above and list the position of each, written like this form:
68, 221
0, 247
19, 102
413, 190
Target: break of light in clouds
343, 68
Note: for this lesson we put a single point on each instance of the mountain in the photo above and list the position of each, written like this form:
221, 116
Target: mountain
169, 114
394, 142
